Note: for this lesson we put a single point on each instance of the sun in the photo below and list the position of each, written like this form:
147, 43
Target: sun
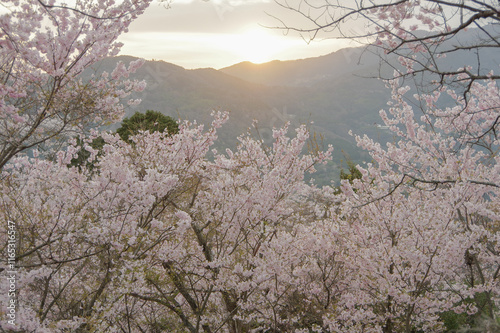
258, 45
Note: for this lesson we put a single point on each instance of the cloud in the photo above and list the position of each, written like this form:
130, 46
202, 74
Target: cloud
206, 16
198, 50
216, 33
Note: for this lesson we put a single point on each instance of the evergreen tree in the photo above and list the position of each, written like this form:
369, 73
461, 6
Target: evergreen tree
151, 121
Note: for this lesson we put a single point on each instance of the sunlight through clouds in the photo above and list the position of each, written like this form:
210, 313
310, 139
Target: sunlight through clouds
197, 50
216, 33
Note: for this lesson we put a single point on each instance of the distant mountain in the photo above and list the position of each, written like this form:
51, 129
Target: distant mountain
305, 72
324, 90
335, 91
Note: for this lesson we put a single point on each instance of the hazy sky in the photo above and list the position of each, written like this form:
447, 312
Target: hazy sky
217, 33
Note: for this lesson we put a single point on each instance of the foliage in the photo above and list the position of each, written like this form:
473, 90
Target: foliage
352, 174
83, 156
150, 121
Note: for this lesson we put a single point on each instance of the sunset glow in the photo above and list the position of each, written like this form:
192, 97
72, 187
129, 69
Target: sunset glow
258, 45
216, 34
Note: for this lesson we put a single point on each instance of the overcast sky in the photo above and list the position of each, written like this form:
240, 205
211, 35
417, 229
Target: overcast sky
218, 33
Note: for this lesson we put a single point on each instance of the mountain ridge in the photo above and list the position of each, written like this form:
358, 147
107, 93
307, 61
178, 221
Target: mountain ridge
295, 92
303, 72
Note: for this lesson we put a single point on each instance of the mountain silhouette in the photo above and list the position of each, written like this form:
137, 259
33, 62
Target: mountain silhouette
331, 91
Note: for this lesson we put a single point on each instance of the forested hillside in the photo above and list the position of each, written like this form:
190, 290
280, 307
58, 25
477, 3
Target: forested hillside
344, 99
338, 92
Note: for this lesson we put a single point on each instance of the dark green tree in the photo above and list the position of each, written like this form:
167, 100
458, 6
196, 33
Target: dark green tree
83, 154
151, 121
352, 172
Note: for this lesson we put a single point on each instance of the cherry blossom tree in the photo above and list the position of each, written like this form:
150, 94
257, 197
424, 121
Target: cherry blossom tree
44, 47
421, 225
420, 228
161, 238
